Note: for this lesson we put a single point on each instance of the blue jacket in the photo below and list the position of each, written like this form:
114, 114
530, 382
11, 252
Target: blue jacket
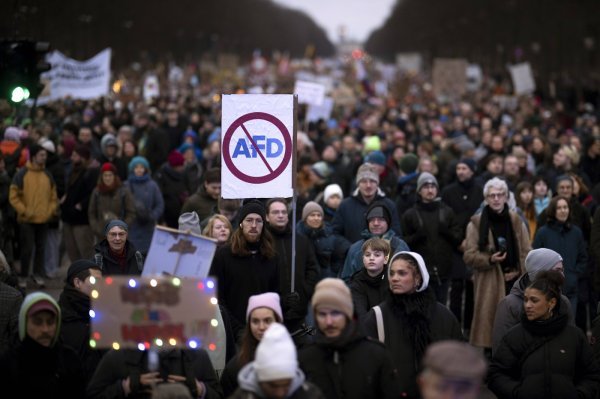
349, 220
149, 206
567, 240
354, 258
330, 249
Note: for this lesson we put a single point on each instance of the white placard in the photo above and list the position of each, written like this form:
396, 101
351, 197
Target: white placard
522, 78
257, 145
78, 79
309, 92
151, 88
323, 111
474, 77
409, 62
179, 254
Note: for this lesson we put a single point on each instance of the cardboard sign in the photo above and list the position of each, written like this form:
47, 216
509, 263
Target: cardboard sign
257, 145
178, 253
159, 312
449, 77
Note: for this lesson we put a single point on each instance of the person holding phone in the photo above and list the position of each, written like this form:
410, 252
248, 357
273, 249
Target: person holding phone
496, 245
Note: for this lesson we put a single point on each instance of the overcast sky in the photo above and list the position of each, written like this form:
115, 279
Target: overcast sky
359, 17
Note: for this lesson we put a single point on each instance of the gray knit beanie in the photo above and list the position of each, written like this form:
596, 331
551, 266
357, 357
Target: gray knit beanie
539, 260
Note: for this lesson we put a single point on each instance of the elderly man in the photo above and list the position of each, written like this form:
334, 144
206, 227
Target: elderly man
116, 254
347, 221
343, 362
247, 265
496, 245
40, 366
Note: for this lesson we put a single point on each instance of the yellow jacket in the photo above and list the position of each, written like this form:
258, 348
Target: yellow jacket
33, 194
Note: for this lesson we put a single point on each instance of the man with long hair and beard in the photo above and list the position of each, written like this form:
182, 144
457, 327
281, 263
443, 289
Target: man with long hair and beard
247, 265
410, 318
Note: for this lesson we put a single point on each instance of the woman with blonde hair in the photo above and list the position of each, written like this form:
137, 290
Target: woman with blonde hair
219, 228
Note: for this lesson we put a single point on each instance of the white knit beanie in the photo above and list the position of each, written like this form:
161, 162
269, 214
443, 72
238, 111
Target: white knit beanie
332, 189
190, 221
422, 268
275, 357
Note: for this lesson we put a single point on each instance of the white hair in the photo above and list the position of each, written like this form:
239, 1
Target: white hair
496, 183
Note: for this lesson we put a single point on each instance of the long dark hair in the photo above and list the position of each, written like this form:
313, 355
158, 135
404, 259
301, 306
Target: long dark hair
239, 245
551, 210
249, 343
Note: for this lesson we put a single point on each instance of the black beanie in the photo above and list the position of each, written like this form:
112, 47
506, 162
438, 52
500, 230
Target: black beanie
378, 209
79, 266
252, 206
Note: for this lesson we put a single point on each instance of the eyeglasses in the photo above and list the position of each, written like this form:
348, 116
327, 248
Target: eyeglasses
115, 235
496, 195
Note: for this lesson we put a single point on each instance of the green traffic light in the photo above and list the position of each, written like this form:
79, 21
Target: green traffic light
19, 94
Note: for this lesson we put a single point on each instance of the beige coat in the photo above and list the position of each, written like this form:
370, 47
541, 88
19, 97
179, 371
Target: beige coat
488, 279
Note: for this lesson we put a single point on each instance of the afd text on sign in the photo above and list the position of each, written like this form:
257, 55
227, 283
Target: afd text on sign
257, 146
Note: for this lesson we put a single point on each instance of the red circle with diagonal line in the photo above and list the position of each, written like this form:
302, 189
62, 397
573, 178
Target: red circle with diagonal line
287, 143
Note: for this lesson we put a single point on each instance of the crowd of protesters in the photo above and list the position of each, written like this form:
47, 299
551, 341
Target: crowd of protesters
418, 221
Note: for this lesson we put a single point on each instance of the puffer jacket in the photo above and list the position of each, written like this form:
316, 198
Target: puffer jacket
330, 249
33, 195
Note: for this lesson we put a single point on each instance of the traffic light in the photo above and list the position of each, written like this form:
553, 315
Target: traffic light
21, 64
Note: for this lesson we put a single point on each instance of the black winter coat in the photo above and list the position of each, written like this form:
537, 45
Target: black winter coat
75, 328
306, 276
544, 362
34, 371
172, 186
352, 366
368, 291
330, 248
464, 199
431, 230
78, 191
442, 325
109, 264
118, 365
240, 277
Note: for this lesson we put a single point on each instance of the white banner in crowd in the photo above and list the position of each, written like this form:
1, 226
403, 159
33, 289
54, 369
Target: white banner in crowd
323, 111
78, 79
309, 92
257, 145
522, 78
151, 87
474, 77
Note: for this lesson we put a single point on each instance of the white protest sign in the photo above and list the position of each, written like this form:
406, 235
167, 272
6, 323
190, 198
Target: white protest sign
474, 77
151, 88
179, 254
522, 78
78, 79
257, 145
323, 111
309, 92
153, 312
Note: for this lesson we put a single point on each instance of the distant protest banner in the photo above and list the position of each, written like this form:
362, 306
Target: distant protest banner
158, 313
449, 77
78, 79
180, 254
522, 78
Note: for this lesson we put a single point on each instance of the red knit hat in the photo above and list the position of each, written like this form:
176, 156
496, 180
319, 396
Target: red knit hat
108, 167
175, 158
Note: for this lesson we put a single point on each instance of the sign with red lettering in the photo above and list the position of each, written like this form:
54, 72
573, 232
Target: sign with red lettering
153, 312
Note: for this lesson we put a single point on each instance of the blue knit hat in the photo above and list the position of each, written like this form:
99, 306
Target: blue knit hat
139, 160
